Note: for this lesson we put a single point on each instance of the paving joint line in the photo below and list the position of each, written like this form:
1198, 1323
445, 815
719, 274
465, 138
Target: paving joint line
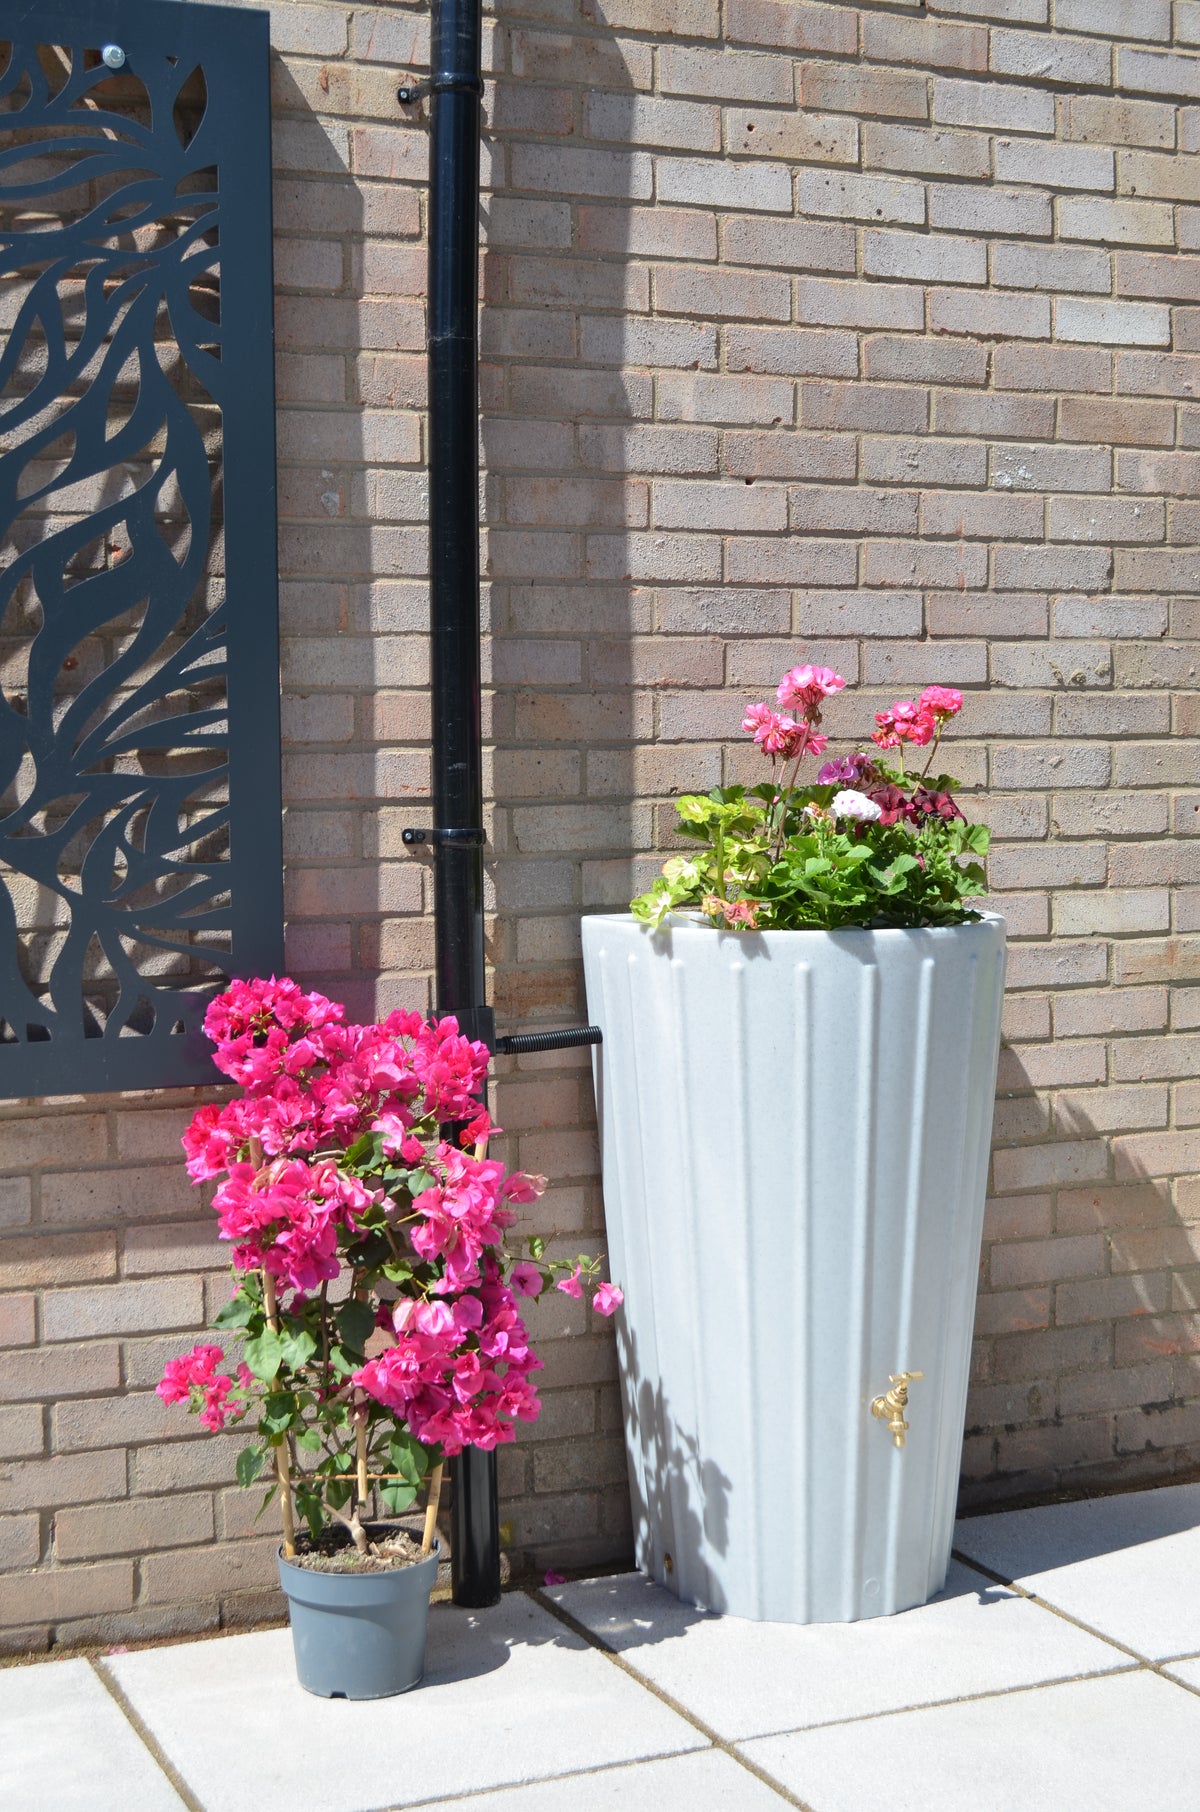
1043, 1604
133, 1717
542, 1780
963, 1698
713, 1737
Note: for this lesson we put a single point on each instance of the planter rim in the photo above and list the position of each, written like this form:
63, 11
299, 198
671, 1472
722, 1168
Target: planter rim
683, 925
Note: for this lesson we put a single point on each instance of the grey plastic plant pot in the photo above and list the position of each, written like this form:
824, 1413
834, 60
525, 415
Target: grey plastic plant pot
359, 1636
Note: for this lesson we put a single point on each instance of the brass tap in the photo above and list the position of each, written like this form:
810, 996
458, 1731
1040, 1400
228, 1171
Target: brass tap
891, 1406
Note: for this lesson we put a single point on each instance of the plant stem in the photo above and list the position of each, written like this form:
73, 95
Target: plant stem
282, 1469
933, 751
786, 792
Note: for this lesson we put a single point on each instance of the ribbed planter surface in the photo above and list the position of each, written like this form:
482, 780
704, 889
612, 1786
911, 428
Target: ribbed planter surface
795, 1129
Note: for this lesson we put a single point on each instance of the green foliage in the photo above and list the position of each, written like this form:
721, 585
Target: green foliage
795, 866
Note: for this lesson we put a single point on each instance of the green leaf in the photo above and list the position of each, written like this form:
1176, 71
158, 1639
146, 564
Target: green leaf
397, 1273
356, 1323
341, 1362
362, 1147
309, 1504
263, 1354
397, 1497
238, 1312
250, 1462
419, 1181
298, 1345
266, 1500
278, 1412
309, 1439
408, 1457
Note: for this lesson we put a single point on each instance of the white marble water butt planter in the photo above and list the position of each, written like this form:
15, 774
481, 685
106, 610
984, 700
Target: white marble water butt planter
795, 1129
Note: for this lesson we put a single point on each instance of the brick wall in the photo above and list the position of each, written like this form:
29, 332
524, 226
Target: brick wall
864, 331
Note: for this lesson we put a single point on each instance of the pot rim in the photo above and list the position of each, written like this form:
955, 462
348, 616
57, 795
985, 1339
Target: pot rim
681, 921
434, 1554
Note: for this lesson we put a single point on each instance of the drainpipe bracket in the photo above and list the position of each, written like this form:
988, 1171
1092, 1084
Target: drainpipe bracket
411, 92
454, 839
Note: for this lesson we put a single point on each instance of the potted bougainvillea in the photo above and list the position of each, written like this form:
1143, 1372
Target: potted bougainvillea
801, 1030
377, 1303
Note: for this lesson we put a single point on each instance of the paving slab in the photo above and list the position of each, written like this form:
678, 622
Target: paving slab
1121, 1743
1116, 1563
67, 1744
510, 1695
746, 1679
1187, 1671
705, 1781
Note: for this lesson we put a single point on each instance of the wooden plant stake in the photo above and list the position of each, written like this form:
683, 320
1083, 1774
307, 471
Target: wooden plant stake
360, 1449
431, 1508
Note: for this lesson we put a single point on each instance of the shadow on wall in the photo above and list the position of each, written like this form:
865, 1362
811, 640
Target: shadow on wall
353, 507
565, 419
1085, 1370
565, 416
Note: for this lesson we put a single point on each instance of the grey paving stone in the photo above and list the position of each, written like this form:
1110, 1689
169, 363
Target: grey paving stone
1121, 1743
704, 1781
510, 1695
747, 1679
1188, 1671
65, 1743
1116, 1563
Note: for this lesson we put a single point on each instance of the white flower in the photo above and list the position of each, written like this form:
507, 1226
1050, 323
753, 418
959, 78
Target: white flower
849, 804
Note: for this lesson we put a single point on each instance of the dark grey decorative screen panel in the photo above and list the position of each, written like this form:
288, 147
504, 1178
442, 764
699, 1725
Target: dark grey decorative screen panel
139, 717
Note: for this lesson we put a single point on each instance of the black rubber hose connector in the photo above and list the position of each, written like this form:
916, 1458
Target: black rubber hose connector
516, 1043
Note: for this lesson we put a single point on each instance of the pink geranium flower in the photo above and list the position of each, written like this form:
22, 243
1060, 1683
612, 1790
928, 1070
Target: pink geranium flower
943, 701
804, 689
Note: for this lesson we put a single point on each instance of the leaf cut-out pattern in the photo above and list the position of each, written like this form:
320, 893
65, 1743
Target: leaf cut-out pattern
117, 875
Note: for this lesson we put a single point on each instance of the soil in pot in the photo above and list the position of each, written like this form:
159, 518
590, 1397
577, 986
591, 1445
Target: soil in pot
333, 1551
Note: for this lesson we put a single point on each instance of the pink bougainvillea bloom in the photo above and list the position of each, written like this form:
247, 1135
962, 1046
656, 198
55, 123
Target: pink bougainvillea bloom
607, 1298
194, 1368
527, 1279
943, 701
480, 1129
571, 1286
804, 688
553, 1578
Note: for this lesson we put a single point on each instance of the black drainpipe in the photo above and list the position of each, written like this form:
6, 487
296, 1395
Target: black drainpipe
455, 87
